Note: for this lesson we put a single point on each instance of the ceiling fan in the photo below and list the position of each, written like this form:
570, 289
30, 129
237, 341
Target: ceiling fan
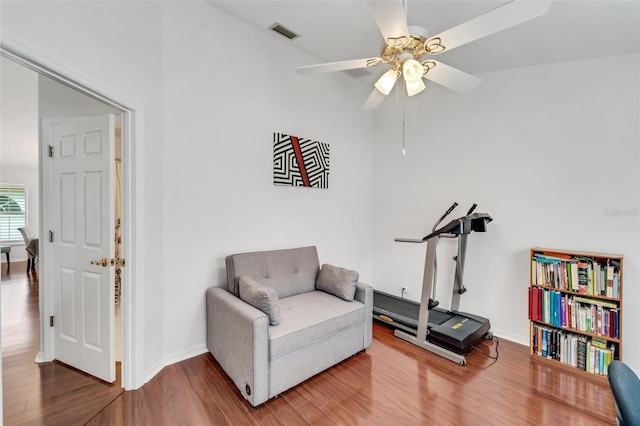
403, 51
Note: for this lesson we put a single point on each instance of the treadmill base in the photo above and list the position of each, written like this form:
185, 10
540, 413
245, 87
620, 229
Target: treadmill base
451, 356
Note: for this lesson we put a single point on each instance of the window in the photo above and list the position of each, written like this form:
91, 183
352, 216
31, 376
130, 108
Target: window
13, 212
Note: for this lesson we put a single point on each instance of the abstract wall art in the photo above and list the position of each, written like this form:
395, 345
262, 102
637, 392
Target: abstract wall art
300, 162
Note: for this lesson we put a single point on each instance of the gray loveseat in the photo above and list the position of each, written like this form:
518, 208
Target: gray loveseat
315, 329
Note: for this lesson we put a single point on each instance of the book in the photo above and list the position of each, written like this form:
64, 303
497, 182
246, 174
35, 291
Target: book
583, 279
599, 343
581, 361
598, 302
571, 322
574, 276
538, 298
555, 255
544, 258
555, 319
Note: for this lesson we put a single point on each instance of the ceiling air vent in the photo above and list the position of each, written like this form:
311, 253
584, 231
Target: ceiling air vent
286, 32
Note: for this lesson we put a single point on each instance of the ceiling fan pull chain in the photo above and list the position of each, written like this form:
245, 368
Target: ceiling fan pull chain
404, 152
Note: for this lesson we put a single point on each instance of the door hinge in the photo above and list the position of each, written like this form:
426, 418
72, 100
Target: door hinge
50, 150
50, 236
51, 321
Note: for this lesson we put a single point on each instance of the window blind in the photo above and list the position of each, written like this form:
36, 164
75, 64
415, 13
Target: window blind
13, 212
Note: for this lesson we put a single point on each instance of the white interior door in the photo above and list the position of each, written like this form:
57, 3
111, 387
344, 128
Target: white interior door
82, 198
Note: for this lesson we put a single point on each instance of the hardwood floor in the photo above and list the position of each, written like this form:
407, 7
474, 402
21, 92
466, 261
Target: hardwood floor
40, 394
393, 382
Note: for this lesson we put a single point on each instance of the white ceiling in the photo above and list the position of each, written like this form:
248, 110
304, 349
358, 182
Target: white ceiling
341, 30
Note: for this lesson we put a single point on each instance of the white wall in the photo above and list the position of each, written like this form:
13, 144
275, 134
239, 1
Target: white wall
547, 151
218, 165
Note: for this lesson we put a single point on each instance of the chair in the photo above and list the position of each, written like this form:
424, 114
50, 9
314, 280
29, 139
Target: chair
625, 386
283, 319
6, 250
31, 245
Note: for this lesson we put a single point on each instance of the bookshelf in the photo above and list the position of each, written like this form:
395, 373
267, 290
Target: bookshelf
575, 309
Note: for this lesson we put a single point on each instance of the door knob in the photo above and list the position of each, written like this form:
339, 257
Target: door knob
104, 262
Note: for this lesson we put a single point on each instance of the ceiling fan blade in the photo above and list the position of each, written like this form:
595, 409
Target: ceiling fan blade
452, 78
374, 100
390, 17
501, 18
339, 66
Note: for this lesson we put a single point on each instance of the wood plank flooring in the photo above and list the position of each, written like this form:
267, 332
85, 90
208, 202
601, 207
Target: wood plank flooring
393, 382
40, 394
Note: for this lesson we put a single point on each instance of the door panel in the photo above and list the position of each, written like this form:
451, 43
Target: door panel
83, 224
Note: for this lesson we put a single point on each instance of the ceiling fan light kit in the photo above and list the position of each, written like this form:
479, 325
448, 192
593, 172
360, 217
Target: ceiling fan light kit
387, 81
412, 70
414, 87
403, 51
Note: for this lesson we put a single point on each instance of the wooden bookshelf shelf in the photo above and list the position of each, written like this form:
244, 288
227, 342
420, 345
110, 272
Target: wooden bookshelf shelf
586, 333
575, 293
575, 309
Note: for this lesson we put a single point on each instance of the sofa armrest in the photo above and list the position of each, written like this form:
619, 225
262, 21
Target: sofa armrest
364, 294
238, 338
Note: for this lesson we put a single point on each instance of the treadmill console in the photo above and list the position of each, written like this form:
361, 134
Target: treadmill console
475, 222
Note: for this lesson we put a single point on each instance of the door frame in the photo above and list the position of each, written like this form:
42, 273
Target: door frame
132, 371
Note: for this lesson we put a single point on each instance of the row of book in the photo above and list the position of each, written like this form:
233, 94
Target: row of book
576, 274
583, 352
575, 312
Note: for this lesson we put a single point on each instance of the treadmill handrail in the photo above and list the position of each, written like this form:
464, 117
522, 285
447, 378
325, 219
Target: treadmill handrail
435, 225
409, 240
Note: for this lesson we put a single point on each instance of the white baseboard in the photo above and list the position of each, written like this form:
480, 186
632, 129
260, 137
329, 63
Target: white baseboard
40, 358
173, 358
12, 258
516, 338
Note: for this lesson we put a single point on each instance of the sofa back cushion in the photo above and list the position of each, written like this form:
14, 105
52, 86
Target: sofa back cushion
288, 272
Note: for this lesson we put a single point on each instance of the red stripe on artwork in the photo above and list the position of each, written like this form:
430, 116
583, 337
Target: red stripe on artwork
303, 171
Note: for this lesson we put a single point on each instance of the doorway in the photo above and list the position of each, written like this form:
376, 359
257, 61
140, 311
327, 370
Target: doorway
129, 367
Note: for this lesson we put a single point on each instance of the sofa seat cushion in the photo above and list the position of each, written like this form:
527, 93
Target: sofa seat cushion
307, 318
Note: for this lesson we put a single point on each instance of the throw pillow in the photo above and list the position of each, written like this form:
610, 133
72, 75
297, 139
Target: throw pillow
260, 297
338, 281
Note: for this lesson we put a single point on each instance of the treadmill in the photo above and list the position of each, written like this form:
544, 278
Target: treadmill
448, 333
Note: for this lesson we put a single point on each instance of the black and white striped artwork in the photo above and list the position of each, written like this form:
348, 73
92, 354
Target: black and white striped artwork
300, 162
